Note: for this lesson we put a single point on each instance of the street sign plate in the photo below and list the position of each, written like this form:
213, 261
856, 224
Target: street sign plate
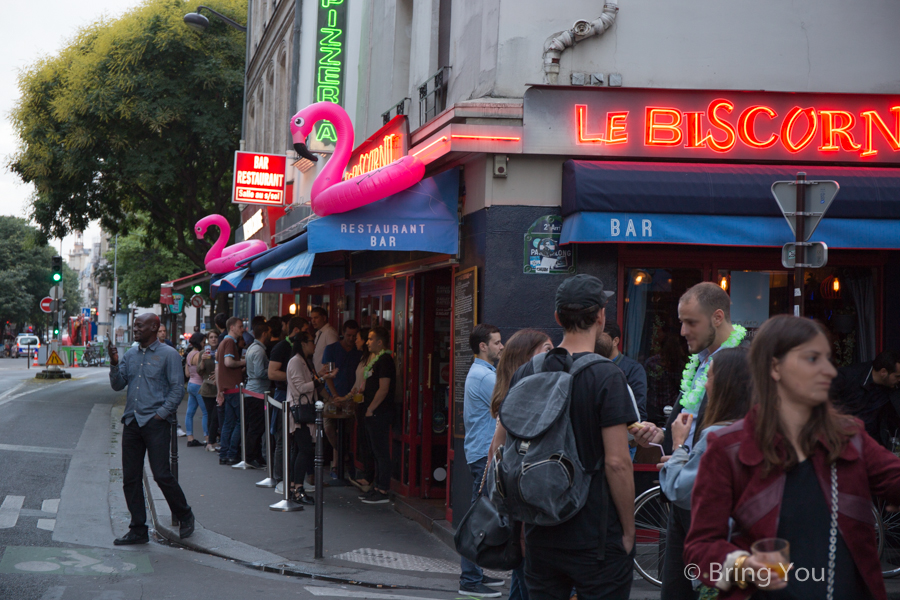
197, 301
46, 304
85, 312
816, 255
819, 196
55, 360
56, 289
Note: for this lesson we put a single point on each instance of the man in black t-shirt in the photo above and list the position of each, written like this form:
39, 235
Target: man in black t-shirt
594, 550
378, 401
279, 357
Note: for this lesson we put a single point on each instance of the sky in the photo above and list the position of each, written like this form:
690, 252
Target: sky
35, 30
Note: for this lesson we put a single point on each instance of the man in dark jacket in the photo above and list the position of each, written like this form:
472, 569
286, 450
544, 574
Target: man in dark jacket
869, 392
634, 372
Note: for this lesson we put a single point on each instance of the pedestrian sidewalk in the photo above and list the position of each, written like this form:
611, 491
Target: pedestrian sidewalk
368, 544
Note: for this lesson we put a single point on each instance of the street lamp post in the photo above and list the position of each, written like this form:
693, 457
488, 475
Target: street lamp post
197, 21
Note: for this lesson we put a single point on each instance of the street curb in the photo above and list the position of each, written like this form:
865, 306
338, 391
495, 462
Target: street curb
209, 542
440, 529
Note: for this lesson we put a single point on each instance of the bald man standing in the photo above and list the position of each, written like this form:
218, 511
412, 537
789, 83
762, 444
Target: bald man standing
155, 380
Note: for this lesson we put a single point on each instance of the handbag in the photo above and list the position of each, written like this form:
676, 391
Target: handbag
487, 537
304, 413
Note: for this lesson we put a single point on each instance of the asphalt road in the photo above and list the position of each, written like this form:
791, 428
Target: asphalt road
61, 505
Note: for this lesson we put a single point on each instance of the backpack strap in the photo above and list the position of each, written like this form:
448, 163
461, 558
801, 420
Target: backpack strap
538, 362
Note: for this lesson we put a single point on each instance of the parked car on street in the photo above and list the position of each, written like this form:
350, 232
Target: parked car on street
23, 340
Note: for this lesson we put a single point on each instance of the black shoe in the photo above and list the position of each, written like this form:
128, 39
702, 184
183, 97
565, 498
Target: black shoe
255, 464
195, 443
229, 461
479, 590
131, 538
364, 495
299, 496
224, 461
491, 581
376, 498
187, 527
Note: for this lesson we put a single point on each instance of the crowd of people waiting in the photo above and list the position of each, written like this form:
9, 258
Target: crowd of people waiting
299, 361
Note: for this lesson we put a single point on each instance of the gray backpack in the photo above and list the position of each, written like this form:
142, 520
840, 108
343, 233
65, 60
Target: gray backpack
538, 475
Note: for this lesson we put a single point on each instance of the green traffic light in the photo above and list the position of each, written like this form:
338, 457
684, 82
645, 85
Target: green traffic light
198, 289
57, 277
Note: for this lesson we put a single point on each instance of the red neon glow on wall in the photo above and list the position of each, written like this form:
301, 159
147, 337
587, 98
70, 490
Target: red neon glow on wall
615, 127
872, 118
746, 128
437, 141
788, 126
830, 131
581, 117
485, 137
653, 128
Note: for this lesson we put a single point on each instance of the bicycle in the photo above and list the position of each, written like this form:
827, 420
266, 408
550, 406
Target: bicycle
651, 517
93, 356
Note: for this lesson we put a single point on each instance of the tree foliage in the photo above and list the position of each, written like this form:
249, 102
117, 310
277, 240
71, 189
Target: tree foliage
25, 260
142, 265
135, 123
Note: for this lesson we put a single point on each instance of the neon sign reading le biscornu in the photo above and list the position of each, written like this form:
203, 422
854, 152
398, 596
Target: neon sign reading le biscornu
722, 127
383, 154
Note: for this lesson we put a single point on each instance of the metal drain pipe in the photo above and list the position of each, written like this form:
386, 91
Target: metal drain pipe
557, 43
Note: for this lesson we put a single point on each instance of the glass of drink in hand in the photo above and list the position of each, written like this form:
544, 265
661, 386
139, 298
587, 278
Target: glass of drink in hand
775, 553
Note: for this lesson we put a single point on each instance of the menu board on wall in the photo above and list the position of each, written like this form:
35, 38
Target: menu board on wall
465, 316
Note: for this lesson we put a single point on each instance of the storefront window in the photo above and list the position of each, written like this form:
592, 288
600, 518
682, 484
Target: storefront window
652, 333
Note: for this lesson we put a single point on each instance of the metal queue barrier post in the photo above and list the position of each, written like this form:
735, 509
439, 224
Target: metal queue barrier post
286, 505
320, 477
243, 464
269, 481
173, 459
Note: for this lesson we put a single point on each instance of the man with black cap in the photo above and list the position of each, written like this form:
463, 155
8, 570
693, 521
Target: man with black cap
594, 550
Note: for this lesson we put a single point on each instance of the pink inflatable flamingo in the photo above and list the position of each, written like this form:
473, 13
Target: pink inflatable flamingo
329, 194
220, 259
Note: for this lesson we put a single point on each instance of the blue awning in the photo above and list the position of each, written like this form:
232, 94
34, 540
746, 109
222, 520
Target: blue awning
727, 205
282, 273
423, 217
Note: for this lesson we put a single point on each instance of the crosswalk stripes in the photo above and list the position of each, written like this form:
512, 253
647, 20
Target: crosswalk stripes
11, 510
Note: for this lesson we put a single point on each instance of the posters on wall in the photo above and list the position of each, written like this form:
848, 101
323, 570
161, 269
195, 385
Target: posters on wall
543, 253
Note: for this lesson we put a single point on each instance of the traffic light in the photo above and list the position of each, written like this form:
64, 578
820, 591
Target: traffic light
56, 268
197, 288
56, 330
118, 304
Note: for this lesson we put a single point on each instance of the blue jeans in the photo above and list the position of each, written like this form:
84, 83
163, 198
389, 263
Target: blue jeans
517, 589
194, 401
231, 429
470, 573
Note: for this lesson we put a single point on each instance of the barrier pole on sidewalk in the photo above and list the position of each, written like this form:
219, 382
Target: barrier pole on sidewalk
320, 478
243, 464
269, 481
286, 505
173, 459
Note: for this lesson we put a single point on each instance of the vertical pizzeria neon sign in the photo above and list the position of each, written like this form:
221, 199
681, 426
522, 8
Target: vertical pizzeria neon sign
330, 66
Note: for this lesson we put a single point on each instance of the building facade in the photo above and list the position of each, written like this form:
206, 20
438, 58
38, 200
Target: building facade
635, 141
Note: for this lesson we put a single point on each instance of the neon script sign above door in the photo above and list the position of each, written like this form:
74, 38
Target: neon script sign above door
386, 145
709, 125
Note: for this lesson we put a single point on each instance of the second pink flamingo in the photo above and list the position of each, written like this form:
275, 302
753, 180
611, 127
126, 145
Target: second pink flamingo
221, 259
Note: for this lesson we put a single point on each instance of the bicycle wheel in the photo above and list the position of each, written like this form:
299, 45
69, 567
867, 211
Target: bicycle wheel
887, 531
651, 517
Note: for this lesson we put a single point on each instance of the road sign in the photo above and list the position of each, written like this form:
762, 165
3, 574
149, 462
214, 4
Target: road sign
819, 196
816, 255
46, 304
56, 289
85, 312
55, 360
197, 301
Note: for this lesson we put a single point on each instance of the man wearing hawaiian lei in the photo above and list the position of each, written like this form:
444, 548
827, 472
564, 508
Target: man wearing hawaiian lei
705, 314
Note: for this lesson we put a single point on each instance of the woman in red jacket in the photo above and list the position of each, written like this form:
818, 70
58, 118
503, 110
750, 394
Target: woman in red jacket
796, 469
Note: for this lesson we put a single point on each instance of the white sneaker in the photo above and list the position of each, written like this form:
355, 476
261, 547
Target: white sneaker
279, 489
181, 432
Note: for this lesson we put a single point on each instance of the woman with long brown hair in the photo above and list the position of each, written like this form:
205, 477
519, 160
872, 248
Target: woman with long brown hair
520, 348
793, 469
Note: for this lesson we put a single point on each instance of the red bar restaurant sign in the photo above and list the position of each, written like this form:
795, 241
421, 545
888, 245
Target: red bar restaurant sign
713, 125
258, 178
386, 145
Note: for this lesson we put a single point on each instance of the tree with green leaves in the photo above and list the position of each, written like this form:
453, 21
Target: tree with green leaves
142, 269
135, 123
25, 274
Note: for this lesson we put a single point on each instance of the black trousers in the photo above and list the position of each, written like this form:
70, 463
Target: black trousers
363, 453
153, 439
213, 419
378, 431
551, 573
675, 586
302, 454
255, 414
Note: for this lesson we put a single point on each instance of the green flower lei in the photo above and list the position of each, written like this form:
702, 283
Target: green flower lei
367, 372
692, 390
